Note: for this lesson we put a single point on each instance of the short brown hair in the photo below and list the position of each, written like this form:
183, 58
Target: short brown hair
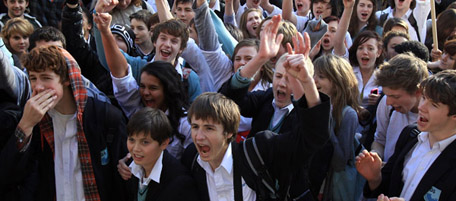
150, 121
173, 27
404, 71
441, 88
219, 109
450, 48
392, 34
48, 57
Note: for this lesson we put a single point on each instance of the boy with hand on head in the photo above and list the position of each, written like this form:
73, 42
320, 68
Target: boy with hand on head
65, 134
422, 166
160, 176
215, 118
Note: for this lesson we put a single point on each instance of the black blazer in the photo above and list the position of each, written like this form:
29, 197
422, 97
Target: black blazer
441, 174
258, 106
285, 155
176, 183
34, 168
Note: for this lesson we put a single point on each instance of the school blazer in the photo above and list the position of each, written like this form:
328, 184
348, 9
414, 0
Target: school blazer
285, 155
176, 183
258, 106
439, 179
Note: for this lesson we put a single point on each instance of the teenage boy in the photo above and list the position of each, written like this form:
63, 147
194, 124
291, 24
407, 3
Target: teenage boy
215, 119
16, 8
184, 11
157, 175
399, 78
141, 24
422, 167
66, 143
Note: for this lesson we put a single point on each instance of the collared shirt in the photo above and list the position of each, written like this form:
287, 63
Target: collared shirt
280, 113
68, 174
220, 183
138, 172
418, 161
365, 90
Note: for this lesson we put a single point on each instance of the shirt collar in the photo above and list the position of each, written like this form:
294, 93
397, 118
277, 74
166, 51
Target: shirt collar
288, 107
178, 67
441, 145
227, 162
154, 175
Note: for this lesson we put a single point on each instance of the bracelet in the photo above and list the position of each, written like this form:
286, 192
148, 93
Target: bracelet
20, 135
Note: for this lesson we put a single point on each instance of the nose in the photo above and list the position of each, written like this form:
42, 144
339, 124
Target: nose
37, 87
283, 81
199, 135
422, 104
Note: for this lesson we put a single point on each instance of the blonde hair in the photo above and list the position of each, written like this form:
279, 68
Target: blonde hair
17, 26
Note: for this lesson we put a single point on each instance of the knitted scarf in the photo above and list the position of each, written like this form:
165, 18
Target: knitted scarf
47, 131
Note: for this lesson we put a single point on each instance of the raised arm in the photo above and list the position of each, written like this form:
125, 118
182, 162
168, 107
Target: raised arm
287, 11
369, 165
339, 45
163, 10
269, 46
116, 61
268, 7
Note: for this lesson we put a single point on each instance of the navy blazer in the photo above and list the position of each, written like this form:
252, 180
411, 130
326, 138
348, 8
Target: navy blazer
35, 166
440, 176
176, 183
285, 155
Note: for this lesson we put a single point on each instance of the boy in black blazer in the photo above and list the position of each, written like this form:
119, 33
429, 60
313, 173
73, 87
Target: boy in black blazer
422, 166
156, 174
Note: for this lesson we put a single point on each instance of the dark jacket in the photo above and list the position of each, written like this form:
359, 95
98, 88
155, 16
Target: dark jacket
285, 155
176, 183
34, 168
86, 57
440, 175
258, 106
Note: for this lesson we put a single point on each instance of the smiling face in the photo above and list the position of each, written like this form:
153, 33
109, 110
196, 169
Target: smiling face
302, 7
323, 84
367, 54
364, 10
322, 8
402, 101
390, 52
253, 22
142, 33
282, 92
447, 61
185, 12
210, 140
144, 150
167, 47
18, 43
16, 8
327, 39
152, 92
244, 55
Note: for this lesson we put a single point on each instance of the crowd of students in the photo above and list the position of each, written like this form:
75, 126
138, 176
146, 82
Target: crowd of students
227, 100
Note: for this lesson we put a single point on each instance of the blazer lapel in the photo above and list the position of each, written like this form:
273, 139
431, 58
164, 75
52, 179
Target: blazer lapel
396, 184
441, 166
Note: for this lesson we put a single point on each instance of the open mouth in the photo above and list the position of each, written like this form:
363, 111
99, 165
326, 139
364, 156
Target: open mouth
422, 119
281, 94
326, 41
137, 157
256, 1
364, 15
165, 53
365, 60
204, 149
299, 6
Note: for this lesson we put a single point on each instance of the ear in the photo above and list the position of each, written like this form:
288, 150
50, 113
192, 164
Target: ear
379, 52
228, 135
164, 144
66, 83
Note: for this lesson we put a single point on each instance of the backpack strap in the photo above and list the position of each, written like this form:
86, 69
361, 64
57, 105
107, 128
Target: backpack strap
237, 176
382, 20
256, 164
412, 21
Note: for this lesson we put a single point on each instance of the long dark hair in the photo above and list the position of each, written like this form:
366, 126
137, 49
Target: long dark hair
176, 97
354, 22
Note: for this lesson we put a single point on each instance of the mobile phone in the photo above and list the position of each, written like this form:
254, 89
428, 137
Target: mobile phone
374, 91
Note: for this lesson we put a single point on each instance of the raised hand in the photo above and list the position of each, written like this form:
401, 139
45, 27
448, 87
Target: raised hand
35, 108
103, 21
270, 40
104, 6
349, 3
369, 165
298, 63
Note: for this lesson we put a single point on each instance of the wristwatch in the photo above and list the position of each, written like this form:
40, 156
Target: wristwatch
20, 135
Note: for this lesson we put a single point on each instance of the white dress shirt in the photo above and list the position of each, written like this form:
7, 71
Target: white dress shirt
220, 182
418, 161
67, 167
138, 172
